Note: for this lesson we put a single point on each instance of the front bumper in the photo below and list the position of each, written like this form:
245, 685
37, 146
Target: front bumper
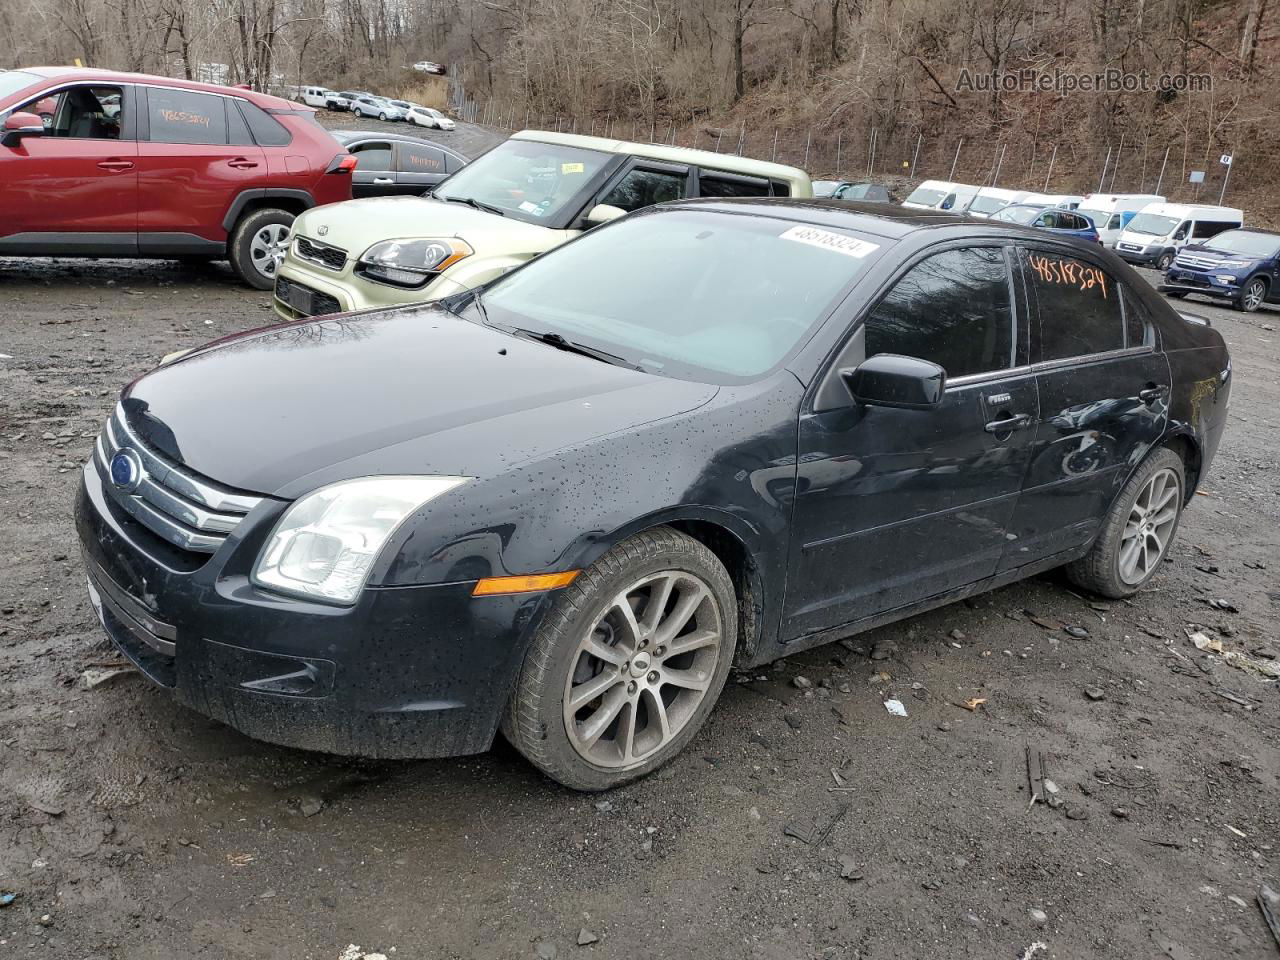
313, 290
1147, 255
1183, 280
419, 671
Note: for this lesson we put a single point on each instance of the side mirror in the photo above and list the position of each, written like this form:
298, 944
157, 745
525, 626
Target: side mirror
603, 213
888, 380
20, 125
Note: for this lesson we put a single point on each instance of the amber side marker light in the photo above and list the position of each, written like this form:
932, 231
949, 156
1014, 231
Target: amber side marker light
494, 586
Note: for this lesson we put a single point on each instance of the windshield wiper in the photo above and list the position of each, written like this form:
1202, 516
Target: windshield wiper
474, 204
570, 346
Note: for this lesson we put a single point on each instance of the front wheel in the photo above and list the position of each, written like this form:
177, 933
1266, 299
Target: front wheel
1162, 263
1252, 296
1137, 531
628, 663
258, 245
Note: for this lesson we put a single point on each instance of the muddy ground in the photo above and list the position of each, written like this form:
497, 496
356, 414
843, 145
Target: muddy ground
133, 828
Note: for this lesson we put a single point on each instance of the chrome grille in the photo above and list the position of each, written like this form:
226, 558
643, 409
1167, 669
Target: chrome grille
173, 503
335, 258
1196, 263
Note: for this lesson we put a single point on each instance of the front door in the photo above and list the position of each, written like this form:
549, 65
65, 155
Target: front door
896, 506
1104, 400
75, 189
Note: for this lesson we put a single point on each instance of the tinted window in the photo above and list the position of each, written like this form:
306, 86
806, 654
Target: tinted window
453, 163
1138, 331
419, 158
1079, 306
1211, 228
953, 309
180, 116
372, 156
717, 185
267, 131
237, 130
644, 188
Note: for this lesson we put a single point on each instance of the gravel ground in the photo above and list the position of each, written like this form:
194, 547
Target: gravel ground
801, 823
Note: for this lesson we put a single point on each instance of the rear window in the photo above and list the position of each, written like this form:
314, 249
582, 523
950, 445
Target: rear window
183, 116
267, 130
712, 184
419, 158
1078, 304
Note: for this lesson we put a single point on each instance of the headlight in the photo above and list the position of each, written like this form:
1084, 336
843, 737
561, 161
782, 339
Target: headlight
411, 263
325, 544
1232, 264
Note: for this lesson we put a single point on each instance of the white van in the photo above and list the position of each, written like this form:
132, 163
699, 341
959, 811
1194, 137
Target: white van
1111, 212
1067, 201
1160, 230
991, 199
314, 96
941, 195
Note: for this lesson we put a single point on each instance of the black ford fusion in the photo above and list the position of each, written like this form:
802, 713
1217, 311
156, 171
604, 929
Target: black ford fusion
563, 505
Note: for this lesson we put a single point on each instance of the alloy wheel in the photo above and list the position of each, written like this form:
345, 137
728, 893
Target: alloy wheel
642, 669
1253, 295
1149, 528
268, 248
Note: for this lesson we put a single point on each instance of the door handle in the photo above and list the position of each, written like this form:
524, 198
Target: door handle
241, 163
1010, 421
115, 164
383, 180
1152, 393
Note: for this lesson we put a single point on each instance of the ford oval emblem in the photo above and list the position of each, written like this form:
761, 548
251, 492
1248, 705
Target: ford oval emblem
126, 471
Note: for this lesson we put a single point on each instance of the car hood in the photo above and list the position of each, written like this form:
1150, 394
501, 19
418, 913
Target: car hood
356, 225
1207, 253
413, 390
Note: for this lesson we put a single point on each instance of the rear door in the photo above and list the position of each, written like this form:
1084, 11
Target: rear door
419, 167
75, 189
897, 506
189, 172
1104, 396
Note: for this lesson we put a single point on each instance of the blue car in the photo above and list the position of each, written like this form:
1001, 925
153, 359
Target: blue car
1048, 218
1242, 266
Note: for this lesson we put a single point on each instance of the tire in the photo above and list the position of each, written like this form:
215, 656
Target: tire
536, 721
382, 117
257, 231
1163, 261
1101, 570
1252, 296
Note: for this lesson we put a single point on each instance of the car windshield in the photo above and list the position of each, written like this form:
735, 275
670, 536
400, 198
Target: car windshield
825, 188
1098, 218
685, 293
929, 197
1242, 241
528, 180
15, 80
1152, 224
1016, 213
987, 204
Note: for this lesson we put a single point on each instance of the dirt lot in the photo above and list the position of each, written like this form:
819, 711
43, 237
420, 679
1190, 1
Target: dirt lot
131, 828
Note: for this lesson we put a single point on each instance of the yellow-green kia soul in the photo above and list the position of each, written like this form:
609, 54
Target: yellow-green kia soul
525, 196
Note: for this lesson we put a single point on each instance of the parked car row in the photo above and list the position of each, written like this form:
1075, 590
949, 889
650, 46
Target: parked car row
365, 104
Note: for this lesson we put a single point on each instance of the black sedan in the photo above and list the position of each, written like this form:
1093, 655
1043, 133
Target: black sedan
711, 432
390, 164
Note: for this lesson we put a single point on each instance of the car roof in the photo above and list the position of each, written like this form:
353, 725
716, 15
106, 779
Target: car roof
265, 100
656, 151
875, 218
350, 136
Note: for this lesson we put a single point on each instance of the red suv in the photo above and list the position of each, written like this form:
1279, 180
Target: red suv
101, 164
